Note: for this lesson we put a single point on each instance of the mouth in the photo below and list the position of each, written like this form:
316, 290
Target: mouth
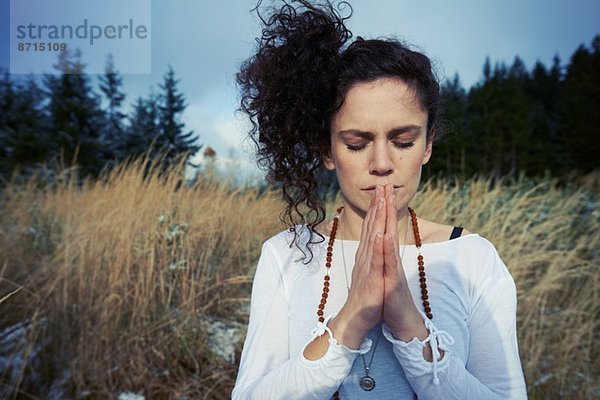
370, 188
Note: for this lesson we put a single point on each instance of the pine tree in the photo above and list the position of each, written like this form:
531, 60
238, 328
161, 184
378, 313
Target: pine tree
481, 119
172, 139
7, 98
113, 131
75, 116
143, 129
545, 143
487, 70
518, 71
451, 151
578, 108
515, 114
23, 131
497, 119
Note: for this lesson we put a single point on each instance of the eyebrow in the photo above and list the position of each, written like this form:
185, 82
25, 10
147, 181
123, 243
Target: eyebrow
392, 133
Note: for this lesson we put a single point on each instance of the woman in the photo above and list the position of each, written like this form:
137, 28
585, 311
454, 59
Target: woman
376, 302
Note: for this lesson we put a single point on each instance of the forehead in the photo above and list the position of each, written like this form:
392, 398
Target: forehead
378, 102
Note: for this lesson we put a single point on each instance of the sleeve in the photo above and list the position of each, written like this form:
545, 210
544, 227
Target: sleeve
493, 369
266, 369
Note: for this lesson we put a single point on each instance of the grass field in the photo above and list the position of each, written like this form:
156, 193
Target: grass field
110, 287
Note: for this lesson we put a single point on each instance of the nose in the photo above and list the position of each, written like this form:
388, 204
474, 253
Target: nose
381, 162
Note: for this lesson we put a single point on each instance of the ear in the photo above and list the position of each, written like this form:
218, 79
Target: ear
328, 161
428, 150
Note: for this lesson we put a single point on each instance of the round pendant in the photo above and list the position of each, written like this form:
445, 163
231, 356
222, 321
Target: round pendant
367, 383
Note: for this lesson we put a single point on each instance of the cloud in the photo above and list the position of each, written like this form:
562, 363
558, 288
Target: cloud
226, 134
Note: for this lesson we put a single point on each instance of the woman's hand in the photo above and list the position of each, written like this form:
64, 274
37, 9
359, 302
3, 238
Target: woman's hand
379, 287
399, 310
364, 306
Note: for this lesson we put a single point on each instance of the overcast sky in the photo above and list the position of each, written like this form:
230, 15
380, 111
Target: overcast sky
205, 41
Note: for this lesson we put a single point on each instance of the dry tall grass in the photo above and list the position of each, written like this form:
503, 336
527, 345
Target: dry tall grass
114, 279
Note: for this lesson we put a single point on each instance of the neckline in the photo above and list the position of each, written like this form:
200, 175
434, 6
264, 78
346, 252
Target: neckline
412, 245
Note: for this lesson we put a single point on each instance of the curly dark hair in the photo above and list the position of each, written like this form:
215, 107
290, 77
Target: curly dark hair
296, 81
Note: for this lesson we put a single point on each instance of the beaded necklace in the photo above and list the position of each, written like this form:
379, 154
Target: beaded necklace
420, 263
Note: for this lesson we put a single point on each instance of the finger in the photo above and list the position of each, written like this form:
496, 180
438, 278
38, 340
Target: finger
391, 225
380, 215
364, 232
389, 259
370, 233
373, 220
378, 231
392, 261
370, 211
376, 255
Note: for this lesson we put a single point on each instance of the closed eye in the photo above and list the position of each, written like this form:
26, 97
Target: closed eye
405, 145
401, 145
356, 147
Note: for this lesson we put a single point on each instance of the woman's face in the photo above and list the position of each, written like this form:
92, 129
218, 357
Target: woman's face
378, 136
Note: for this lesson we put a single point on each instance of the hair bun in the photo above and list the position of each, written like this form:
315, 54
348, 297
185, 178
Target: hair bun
293, 71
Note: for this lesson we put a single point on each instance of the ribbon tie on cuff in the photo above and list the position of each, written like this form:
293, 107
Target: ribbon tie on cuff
322, 327
437, 340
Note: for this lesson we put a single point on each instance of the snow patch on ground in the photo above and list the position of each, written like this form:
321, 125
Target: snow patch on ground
130, 396
224, 337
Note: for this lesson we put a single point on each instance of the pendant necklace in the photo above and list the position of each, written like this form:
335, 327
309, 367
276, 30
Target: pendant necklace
367, 382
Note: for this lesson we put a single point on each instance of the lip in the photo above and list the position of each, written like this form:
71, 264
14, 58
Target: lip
369, 188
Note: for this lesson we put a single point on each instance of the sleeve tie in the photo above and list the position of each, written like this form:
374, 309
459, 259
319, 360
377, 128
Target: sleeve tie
437, 340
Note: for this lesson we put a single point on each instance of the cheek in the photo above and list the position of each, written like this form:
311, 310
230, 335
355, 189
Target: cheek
344, 173
415, 169
347, 165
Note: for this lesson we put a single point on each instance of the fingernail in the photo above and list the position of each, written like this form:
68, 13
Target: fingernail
380, 205
378, 238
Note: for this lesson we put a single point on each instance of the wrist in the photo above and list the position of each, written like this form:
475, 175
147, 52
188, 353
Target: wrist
345, 333
413, 327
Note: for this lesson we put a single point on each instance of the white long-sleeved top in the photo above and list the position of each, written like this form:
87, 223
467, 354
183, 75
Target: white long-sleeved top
473, 302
